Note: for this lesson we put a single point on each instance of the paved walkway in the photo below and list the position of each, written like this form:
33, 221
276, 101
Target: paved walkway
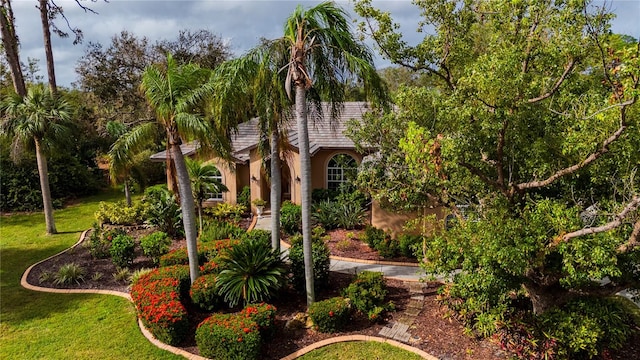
410, 274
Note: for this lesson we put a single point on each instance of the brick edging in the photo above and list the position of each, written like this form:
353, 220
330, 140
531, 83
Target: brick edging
143, 329
145, 332
347, 338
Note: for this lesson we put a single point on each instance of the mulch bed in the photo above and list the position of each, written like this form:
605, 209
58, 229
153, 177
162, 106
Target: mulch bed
440, 335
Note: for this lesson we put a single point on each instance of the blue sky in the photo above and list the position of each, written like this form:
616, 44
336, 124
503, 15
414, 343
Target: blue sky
239, 22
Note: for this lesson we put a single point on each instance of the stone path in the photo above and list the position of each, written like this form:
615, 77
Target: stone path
401, 327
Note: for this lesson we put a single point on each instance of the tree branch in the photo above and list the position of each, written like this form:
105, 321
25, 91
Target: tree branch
616, 222
475, 171
567, 70
634, 239
588, 160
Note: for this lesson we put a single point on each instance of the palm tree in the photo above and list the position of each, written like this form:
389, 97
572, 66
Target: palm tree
273, 108
203, 182
172, 91
323, 54
41, 120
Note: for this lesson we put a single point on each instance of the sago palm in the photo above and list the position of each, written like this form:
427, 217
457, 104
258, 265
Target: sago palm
323, 55
40, 120
252, 272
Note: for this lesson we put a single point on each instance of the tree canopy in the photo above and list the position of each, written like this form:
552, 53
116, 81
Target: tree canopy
530, 120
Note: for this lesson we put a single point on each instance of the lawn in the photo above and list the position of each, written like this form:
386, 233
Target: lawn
35, 325
359, 350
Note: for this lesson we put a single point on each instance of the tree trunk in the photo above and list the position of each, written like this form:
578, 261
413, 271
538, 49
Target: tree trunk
46, 34
44, 187
188, 210
172, 182
10, 44
200, 215
276, 188
305, 188
546, 297
127, 192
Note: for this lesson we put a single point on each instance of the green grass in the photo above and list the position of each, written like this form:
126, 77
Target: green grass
35, 325
359, 350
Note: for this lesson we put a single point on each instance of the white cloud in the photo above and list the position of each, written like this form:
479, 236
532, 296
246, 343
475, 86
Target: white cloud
242, 22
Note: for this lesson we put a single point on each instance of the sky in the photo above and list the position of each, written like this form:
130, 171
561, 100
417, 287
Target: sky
240, 23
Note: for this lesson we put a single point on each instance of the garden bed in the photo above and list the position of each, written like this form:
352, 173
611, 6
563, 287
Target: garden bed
439, 334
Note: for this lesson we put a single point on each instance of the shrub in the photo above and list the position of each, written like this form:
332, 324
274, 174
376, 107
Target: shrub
325, 214
178, 272
388, 248
119, 213
585, 327
155, 245
290, 218
367, 294
210, 267
226, 211
122, 250
251, 271
350, 215
408, 245
263, 314
206, 252
244, 197
320, 256
228, 336
259, 235
98, 244
68, 274
138, 273
218, 230
331, 315
204, 293
373, 236
156, 296
163, 211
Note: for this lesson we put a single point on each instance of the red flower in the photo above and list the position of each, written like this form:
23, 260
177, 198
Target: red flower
331, 313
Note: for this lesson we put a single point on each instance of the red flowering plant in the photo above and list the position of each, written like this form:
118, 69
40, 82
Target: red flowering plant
210, 267
157, 301
263, 314
229, 336
330, 315
204, 293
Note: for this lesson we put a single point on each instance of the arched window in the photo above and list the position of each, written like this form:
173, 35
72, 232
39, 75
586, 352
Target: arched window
340, 169
215, 196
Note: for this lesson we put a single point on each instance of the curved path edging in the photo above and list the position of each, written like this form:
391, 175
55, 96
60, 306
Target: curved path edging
348, 338
147, 334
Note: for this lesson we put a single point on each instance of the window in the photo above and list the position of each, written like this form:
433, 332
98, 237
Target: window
341, 168
218, 179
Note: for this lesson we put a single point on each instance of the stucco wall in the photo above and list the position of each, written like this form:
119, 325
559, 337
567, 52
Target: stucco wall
319, 166
394, 221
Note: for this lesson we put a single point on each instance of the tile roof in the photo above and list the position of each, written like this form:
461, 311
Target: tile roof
324, 132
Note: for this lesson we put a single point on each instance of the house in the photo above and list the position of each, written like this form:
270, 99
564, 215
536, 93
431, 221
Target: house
333, 155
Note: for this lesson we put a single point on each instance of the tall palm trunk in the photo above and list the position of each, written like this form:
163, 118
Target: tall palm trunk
44, 187
276, 190
200, 215
46, 33
127, 191
305, 189
10, 44
188, 213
